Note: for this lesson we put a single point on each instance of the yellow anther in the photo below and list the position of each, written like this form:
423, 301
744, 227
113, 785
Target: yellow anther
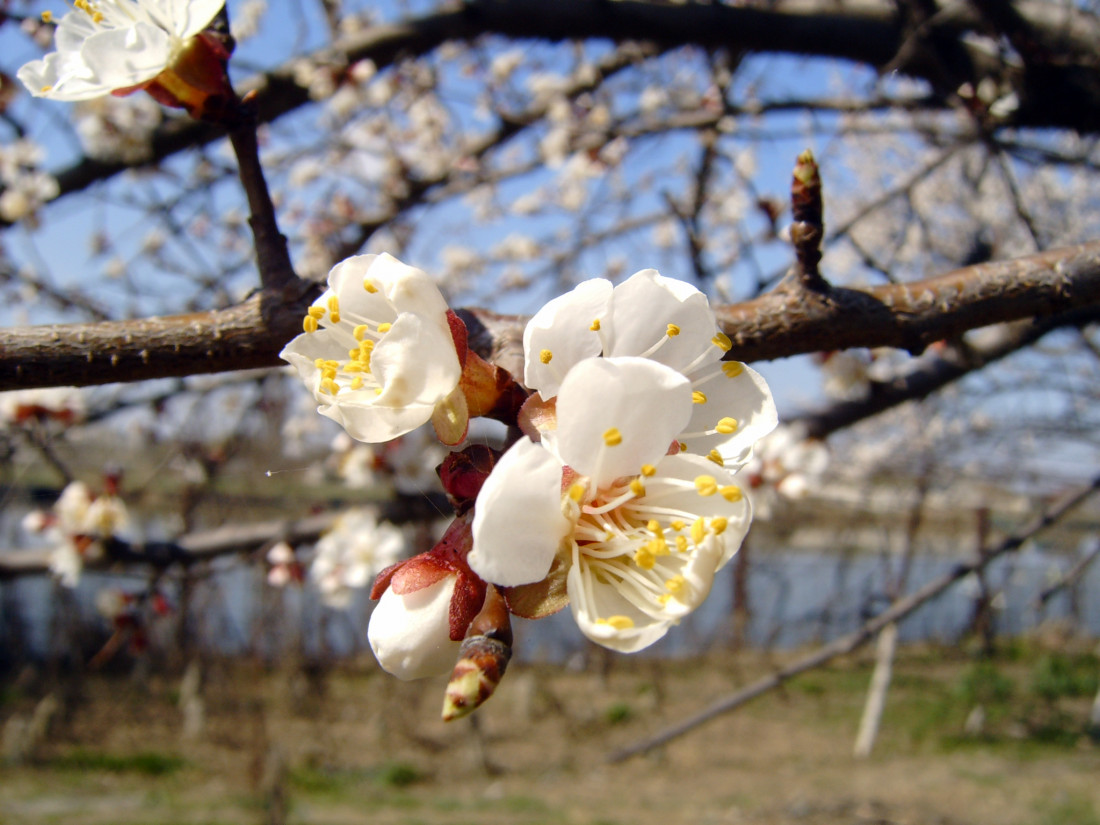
316, 312
356, 366
595, 325
357, 382
706, 485
677, 525
716, 457
698, 530
613, 438
649, 470
722, 341
360, 331
353, 354
732, 369
658, 546
637, 488
676, 585
719, 524
683, 447
576, 492
645, 558
698, 397
654, 526
369, 286
617, 622
309, 324
97, 17
731, 493
726, 426
546, 356
330, 386
672, 330
664, 599
319, 363
384, 327
681, 544
45, 90
47, 16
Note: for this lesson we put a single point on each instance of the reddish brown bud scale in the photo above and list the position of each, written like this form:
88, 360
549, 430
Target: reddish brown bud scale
460, 335
463, 473
481, 665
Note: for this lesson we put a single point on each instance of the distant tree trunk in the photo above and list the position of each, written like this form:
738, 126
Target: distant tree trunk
876, 696
887, 642
981, 621
742, 608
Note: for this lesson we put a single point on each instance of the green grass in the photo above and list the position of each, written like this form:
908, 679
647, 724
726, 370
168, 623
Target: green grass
1072, 809
1059, 675
146, 763
618, 713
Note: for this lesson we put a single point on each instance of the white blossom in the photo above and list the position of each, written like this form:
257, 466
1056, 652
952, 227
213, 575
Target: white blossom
109, 45
352, 553
378, 354
642, 532
670, 322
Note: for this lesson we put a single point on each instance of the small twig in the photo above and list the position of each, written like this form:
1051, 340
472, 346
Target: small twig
808, 228
846, 644
273, 259
1069, 577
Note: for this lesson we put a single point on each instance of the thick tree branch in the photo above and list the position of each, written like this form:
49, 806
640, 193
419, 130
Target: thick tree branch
911, 316
245, 336
787, 321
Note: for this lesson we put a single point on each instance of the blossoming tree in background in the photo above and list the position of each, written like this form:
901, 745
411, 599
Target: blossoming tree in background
394, 190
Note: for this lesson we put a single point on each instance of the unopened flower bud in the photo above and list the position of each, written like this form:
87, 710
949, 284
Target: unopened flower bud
482, 660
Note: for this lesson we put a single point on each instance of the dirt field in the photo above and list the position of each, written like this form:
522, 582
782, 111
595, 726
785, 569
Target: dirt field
355, 746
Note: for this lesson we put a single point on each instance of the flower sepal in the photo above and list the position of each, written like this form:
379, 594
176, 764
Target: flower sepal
196, 80
540, 599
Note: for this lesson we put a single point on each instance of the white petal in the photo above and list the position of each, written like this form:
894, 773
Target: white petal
187, 19
642, 308
126, 57
415, 362
646, 403
592, 602
410, 633
745, 398
61, 77
688, 467
408, 288
563, 328
518, 522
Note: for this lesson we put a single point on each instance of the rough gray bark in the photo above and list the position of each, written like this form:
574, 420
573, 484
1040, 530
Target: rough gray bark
787, 321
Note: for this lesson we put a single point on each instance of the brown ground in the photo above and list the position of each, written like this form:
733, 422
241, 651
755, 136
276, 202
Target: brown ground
360, 747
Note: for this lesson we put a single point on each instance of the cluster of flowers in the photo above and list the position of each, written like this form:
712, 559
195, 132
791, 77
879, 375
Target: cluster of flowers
621, 498
76, 526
